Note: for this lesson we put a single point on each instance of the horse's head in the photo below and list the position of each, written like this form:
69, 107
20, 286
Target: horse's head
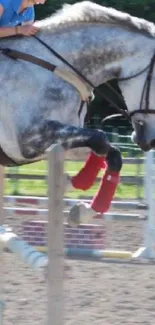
144, 130
139, 93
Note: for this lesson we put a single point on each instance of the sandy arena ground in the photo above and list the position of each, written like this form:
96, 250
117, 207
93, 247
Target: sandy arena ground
96, 292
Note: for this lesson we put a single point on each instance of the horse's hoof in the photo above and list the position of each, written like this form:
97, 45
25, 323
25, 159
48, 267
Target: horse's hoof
80, 213
74, 216
68, 184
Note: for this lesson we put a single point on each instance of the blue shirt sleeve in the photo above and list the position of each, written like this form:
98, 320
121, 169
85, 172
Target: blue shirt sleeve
29, 14
11, 17
5, 3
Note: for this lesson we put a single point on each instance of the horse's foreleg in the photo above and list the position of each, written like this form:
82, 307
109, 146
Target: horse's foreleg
34, 144
83, 212
102, 200
85, 178
74, 137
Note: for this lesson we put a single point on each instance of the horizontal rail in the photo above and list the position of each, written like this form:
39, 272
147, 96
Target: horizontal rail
14, 200
127, 160
11, 211
132, 180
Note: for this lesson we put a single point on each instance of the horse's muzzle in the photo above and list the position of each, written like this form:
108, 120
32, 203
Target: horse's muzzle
139, 138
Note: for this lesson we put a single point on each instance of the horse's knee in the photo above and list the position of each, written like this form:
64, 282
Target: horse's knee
114, 159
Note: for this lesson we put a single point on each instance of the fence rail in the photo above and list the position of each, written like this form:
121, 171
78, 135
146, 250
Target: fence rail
127, 160
125, 179
128, 180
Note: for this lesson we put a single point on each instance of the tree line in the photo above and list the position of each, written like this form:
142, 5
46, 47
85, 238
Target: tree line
140, 8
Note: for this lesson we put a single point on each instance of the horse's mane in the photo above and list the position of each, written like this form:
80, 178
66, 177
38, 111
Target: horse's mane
89, 12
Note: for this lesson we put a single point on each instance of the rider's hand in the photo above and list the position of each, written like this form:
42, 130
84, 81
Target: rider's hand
26, 30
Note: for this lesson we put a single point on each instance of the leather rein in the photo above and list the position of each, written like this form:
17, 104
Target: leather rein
81, 82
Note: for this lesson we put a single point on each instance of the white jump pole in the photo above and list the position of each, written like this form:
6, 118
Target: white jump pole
148, 249
21, 249
150, 198
1, 246
55, 236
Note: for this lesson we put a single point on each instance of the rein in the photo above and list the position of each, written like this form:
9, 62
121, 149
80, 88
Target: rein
146, 91
56, 54
15, 54
79, 80
122, 112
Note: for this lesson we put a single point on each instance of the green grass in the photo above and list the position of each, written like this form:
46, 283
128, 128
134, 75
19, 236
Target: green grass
40, 168
38, 187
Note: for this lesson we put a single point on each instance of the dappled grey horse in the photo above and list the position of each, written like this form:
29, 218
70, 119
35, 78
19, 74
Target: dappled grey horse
41, 94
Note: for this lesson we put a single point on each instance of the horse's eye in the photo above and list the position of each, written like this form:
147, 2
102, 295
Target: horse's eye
141, 123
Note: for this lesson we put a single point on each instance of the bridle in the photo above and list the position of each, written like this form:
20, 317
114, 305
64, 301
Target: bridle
146, 89
81, 80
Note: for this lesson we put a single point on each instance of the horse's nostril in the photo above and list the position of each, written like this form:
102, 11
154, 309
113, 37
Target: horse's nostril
152, 144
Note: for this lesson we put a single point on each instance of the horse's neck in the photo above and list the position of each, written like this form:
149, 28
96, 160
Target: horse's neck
101, 52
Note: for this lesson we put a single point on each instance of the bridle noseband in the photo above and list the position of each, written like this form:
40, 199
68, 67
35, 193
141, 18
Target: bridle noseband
14, 54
